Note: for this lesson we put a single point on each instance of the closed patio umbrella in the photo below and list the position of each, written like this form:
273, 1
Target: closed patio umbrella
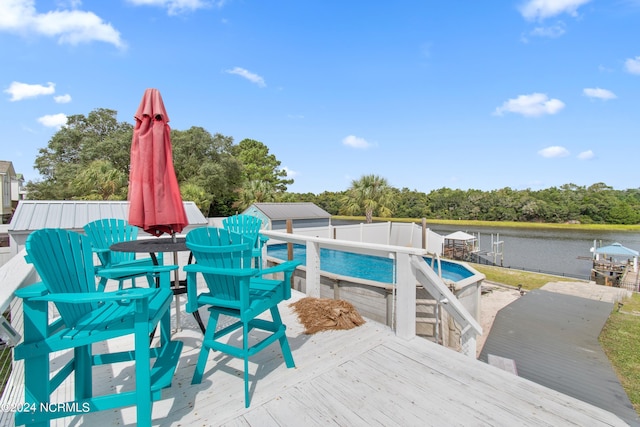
155, 204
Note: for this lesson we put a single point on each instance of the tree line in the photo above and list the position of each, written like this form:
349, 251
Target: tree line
88, 159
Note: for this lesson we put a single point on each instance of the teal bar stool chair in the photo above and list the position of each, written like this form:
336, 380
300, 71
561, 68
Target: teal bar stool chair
248, 226
236, 289
84, 317
105, 232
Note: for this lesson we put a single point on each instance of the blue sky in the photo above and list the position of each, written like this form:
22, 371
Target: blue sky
427, 94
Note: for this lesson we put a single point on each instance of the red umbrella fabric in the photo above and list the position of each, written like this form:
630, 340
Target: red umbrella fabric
155, 204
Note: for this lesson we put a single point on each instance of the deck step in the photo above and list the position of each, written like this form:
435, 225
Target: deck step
426, 301
430, 320
503, 363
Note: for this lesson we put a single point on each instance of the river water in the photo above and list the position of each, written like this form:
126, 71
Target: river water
559, 252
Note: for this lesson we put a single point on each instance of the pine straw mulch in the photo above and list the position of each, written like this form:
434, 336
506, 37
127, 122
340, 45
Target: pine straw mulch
324, 314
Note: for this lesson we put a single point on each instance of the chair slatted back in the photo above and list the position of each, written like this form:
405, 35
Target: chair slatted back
229, 253
105, 232
246, 225
69, 271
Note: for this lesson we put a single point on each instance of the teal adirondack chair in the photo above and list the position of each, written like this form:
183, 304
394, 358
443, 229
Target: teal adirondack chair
104, 233
249, 226
235, 289
64, 261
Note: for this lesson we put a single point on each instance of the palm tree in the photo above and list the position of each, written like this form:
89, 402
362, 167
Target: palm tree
371, 194
255, 192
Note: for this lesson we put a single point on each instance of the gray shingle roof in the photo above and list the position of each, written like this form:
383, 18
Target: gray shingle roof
5, 166
74, 214
280, 211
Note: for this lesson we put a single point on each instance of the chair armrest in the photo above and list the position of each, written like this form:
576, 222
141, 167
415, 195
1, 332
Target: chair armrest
88, 297
287, 266
100, 250
240, 272
143, 269
35, 290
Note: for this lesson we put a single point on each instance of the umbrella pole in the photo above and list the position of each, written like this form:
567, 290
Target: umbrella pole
176, 283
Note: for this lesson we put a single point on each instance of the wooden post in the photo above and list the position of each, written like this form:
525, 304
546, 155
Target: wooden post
289, 244
424, 233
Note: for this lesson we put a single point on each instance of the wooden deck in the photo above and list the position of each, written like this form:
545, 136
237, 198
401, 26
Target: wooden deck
362, 377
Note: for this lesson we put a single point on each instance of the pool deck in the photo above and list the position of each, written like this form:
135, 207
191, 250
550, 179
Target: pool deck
361, 377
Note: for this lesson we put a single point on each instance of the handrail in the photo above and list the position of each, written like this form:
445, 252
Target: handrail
15, 274
434, 284
410, 270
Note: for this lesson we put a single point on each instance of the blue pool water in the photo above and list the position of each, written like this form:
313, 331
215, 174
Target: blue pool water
363, 266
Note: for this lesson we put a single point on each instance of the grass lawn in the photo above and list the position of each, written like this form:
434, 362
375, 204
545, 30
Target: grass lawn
510, 224
620, 339
528, 280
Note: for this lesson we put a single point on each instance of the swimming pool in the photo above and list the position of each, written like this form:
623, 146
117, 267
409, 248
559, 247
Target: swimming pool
363, 266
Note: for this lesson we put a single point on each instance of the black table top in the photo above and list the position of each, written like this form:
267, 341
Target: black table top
153, 245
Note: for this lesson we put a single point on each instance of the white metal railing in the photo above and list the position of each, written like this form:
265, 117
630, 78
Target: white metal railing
410, 269
14, 274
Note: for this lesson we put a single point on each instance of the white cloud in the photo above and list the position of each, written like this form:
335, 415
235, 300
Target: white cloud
632, 65
253, 78
290, 173
74, 4
535, 104
542, 9
62, 99
53, 120
69, 26
586, 155
355, 142
599, 93
176, 7
19, 91
551, 32
554, 151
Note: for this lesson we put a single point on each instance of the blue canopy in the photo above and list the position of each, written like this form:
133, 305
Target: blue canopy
616, 249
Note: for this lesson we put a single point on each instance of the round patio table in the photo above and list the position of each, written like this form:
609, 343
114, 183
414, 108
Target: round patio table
153, 246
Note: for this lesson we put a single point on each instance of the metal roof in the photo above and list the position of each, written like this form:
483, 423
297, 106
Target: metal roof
616, 249
74, 214
553, 339
280, 211
460, 235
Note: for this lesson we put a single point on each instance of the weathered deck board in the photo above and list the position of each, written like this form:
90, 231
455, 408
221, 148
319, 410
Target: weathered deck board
364, 376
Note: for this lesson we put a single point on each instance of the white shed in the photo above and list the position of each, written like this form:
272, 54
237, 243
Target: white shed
274, 216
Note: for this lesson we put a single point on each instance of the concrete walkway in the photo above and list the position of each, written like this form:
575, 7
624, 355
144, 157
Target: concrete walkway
551, 334
588, 290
